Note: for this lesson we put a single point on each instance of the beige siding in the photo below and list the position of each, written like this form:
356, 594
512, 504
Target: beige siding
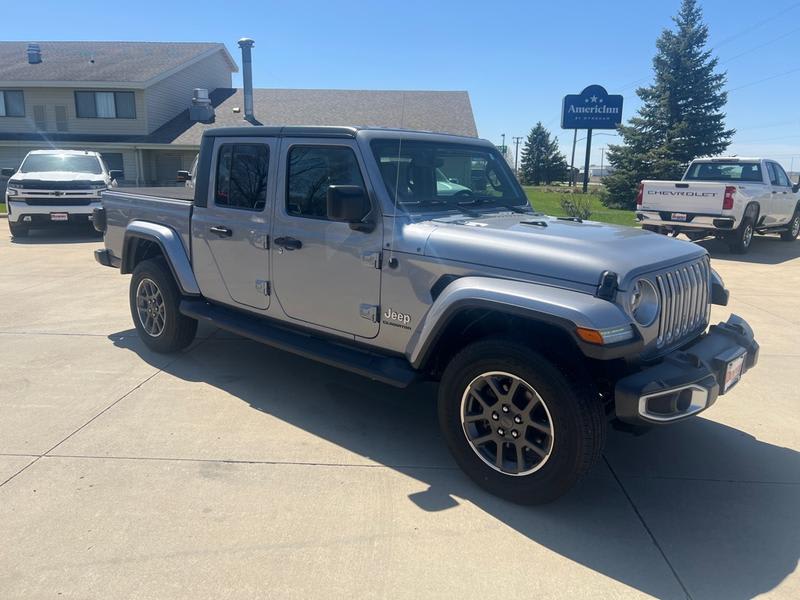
171, 96
49, 98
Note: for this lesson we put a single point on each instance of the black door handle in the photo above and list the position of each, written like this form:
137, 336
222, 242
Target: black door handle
221, 231
288, 243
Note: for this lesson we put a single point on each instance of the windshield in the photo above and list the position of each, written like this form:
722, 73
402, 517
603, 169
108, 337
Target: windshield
37, 163
425, 175
725, 171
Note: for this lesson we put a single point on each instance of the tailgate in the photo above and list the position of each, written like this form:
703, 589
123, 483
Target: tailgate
680, 196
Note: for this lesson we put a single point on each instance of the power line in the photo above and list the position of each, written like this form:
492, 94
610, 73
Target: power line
754, 26
767, 43
771, 77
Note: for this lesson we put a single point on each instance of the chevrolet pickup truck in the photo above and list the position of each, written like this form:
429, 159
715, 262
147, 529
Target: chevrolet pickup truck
341, 245
53, 187
730, 198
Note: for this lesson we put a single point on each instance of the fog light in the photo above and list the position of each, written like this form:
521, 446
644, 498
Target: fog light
26, 218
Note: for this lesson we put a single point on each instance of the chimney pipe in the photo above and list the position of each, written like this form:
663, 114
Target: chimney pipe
246, 45
34, 54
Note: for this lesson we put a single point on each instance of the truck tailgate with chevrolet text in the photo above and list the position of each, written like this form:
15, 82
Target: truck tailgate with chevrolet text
404, 255
730, 198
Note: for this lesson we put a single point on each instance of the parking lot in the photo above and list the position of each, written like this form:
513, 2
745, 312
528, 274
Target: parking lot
233, 470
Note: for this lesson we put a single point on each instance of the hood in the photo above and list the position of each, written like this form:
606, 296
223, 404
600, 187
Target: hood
555, 248
57, 176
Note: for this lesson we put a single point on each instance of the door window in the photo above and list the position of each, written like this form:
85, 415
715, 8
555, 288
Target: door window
241, 180
783, 180
311, 170
773, 177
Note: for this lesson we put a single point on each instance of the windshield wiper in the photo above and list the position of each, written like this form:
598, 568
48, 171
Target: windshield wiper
483, 201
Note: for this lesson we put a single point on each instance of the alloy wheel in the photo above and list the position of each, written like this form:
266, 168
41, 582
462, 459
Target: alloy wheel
150, 307
507, 423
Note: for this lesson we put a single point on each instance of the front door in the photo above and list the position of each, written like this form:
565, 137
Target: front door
230, 235
325, 272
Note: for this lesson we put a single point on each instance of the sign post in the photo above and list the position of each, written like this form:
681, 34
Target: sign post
593, 108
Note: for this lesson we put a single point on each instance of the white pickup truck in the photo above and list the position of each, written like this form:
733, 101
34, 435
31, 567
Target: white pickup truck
55, 187
729, 197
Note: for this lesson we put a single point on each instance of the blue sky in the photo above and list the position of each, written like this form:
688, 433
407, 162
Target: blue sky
516, 59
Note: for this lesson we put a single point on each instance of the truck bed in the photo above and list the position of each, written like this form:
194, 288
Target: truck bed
166, 206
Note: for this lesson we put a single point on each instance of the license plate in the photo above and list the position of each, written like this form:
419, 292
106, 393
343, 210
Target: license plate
733, 372
59, 216
678, 216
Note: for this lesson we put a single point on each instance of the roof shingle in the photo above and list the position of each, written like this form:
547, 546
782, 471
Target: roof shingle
121, 62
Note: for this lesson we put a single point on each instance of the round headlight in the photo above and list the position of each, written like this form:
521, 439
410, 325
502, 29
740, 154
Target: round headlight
644, 304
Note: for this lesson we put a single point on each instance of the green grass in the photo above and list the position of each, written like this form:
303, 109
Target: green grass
549, 202
2, 207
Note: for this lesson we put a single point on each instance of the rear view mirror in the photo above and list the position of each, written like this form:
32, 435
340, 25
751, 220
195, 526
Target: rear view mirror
116, 174
347, 203
184, 176
8, 172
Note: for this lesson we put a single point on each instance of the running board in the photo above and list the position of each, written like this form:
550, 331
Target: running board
386, 369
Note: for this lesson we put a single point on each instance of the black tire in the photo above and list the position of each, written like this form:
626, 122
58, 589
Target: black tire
173, 331
571, 404
740, 240
18, 230
794, 229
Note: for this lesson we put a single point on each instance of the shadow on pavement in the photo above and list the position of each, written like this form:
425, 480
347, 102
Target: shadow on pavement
61, 234
724, 540
765, 250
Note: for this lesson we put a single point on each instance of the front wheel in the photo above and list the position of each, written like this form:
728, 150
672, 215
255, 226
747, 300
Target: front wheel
740, 240
794, 229
517, 424
154, 300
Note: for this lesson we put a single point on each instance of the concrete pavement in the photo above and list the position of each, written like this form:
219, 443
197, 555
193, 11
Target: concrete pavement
233, 470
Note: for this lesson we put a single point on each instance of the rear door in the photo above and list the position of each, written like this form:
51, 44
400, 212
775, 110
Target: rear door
325, 272
230, 235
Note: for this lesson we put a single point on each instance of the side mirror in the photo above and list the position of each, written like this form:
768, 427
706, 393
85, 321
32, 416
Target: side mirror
184, 176
8, 172
795, 187
348, 204
116, 174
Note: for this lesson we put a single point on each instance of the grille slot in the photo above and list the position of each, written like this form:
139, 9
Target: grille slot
38, 184
684, 295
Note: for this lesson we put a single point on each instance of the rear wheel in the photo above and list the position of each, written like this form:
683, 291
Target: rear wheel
17, 229
794, 229
740, 240
517, 424
154, 300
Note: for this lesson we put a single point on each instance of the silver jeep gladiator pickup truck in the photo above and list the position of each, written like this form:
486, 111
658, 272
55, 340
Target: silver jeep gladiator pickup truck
404, 255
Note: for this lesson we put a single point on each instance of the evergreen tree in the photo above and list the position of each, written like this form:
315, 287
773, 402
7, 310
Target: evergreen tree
681, 116
541, 160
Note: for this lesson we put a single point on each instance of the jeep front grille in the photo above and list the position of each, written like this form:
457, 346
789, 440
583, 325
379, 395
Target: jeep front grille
684, 294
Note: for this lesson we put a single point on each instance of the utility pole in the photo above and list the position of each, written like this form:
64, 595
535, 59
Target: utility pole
602, 156
517, 140
503, 145
572, 178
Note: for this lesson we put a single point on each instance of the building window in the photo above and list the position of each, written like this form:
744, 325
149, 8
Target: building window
311, 170
12, 103
105, 105
241, 180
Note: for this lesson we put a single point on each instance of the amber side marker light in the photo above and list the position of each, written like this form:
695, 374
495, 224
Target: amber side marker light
612, 335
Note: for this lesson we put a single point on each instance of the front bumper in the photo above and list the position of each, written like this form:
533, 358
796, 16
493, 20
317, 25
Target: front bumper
686, 381
39, 213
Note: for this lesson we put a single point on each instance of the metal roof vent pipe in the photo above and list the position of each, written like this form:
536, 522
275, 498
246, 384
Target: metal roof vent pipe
34, 54
246, 44
201, 109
